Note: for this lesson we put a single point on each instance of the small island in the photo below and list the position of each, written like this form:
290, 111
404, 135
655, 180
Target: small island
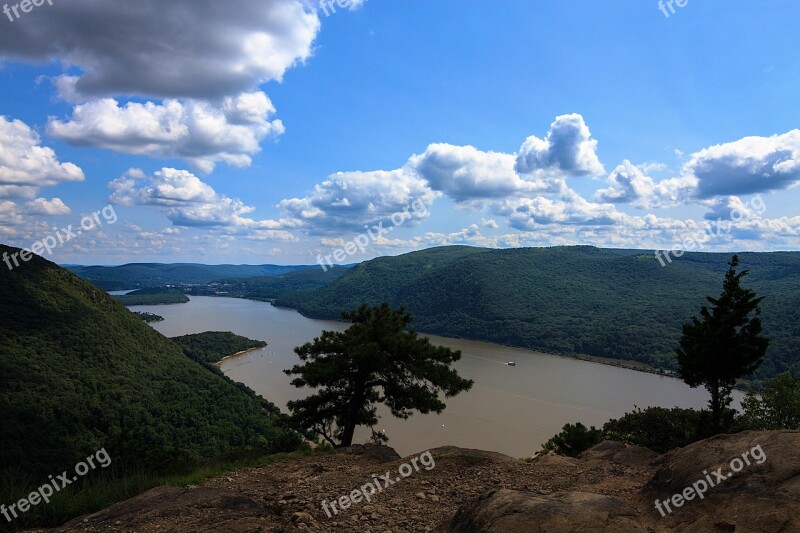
149, 317
212, 347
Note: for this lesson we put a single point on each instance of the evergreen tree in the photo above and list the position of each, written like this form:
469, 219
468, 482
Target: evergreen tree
724, 344
377, 360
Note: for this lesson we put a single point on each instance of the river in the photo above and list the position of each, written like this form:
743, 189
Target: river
510, 409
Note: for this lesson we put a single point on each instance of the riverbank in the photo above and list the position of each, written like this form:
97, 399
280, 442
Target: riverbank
237, 354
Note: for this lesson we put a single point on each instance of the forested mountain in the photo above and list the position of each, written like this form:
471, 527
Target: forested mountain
134, 276
79, 372
270, 287
570, 300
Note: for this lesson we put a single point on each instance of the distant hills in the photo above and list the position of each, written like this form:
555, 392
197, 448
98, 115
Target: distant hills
79, 372
143, 275
569, 300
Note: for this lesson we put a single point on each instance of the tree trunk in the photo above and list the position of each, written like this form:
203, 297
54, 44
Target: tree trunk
716, 409
356, 404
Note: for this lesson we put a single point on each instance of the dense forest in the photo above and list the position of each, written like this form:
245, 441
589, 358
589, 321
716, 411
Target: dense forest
569, 300
142, 275
213, 346
153, 296
268, 288
79, 372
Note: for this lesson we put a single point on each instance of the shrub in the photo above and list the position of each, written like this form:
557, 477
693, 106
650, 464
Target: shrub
573, 439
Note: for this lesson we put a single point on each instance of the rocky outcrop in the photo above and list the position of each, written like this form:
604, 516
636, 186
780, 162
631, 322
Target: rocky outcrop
744, 482
509, 511
611, 488
764, 495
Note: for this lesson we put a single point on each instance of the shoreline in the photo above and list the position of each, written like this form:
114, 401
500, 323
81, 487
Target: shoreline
237, 354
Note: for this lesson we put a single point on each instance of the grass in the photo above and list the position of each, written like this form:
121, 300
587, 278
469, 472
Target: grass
102, 488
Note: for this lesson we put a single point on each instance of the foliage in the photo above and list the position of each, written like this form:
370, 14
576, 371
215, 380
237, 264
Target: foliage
139, 275
725, 343
149, 317
620, 304
269, 288
779, 406
659, 428
573, 440
153, 297
78, 373
213, 346
376, 360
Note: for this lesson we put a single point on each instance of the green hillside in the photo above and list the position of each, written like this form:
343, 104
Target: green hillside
571, 300
265, 288
78, 372
138, 275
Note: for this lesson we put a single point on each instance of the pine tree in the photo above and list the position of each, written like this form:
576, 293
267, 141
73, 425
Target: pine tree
724, 344
376, 360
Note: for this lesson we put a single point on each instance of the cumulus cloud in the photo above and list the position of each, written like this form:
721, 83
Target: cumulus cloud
527, 214
199, 132
465, 173
201, 49
627, 184
43, 206
709, 176
346, 201
568, 149
186, 200
746, 166
25, 166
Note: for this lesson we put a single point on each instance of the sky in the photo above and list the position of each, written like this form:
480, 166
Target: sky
300, 131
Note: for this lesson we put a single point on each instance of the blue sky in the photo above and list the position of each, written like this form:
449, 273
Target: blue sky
268, 132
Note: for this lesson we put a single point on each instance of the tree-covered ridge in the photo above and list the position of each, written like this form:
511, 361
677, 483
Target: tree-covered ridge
153, 296
570, 300
212, 346
139, 275
270, 287
78, 372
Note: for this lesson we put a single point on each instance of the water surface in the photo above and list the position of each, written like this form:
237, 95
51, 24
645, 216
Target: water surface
511, 410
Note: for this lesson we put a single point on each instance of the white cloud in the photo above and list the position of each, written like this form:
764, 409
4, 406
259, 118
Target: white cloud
627, 184
177, 49
746, 166
198, 132
346, 201
465, 173
25, 166
567, 150
187, 201
43, 206
528, 214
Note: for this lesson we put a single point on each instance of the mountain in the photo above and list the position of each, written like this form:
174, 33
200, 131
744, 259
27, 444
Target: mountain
268, 288
140, 275
79, 372
619, 304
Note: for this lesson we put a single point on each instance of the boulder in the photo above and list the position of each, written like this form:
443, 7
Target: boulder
510, 511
